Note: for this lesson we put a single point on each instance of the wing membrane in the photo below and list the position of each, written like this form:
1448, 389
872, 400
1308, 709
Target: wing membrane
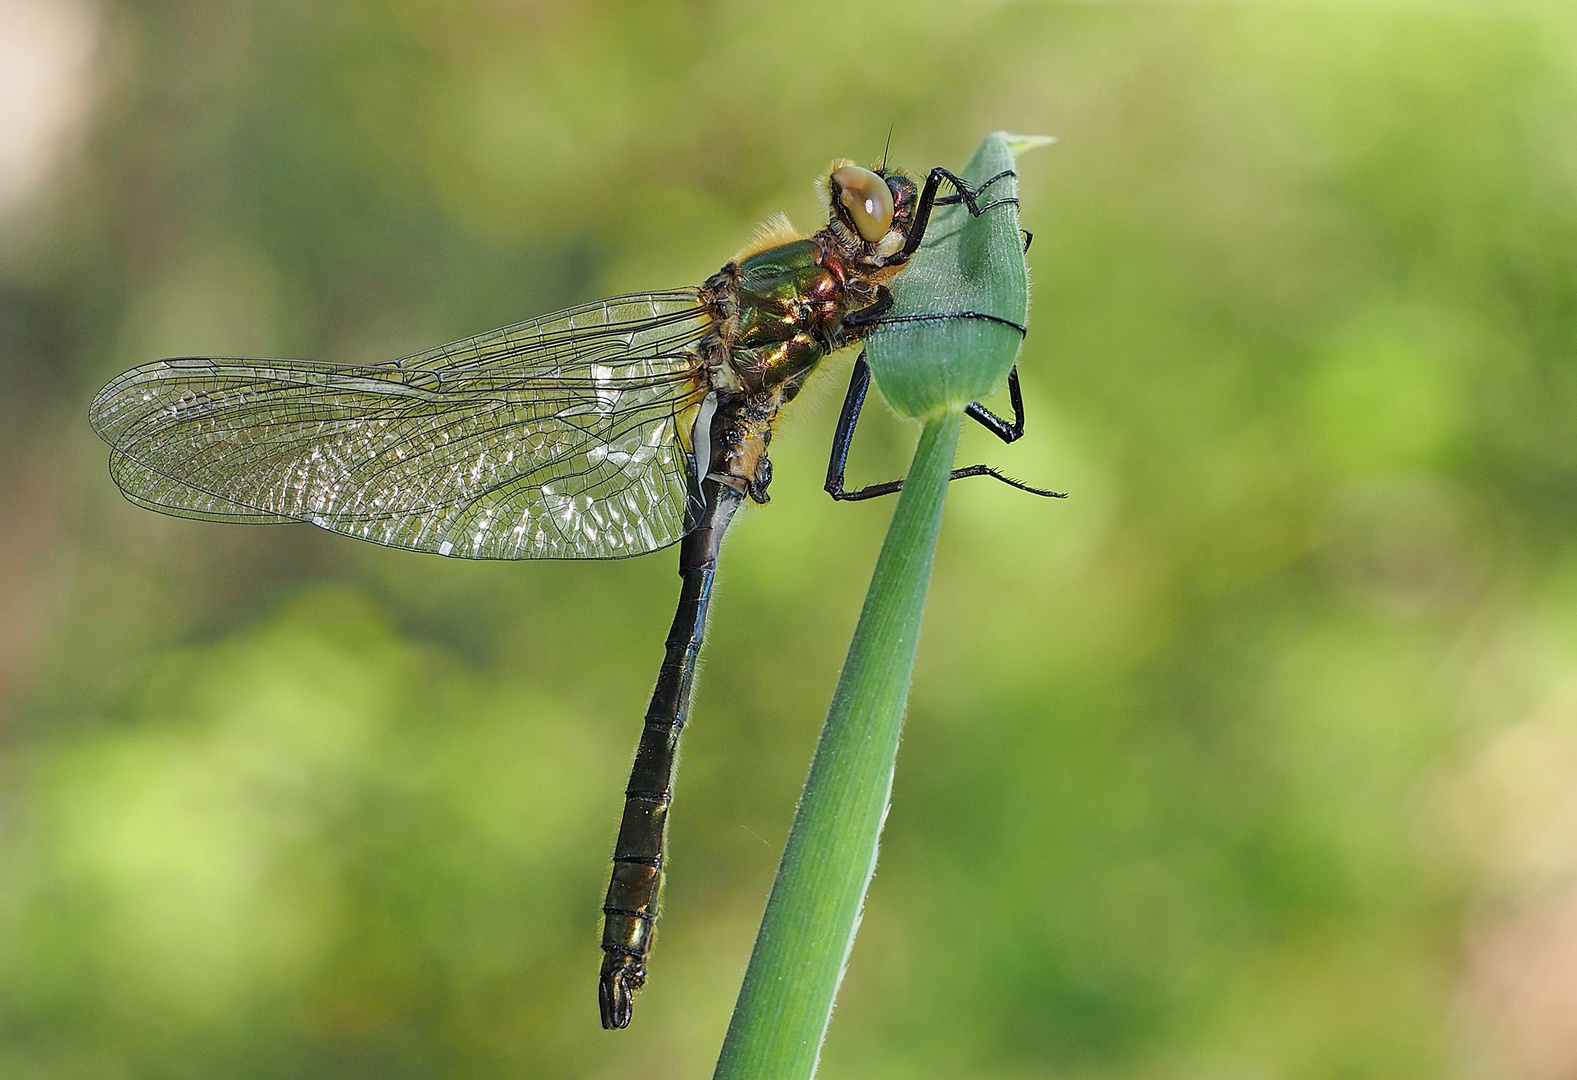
563, 437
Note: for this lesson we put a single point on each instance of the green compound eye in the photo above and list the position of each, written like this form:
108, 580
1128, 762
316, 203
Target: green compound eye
867, 200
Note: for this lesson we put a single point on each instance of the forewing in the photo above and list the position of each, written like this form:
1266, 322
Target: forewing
563, 437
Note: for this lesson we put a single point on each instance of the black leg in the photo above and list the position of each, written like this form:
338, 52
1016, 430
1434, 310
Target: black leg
943, 316
854, 400
1008, 433
848, 416
856, 322
964, 194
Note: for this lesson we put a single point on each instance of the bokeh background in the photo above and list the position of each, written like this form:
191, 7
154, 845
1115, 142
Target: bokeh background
1255, 758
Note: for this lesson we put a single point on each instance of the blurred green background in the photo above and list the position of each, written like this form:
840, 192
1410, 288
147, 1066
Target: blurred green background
1255, 758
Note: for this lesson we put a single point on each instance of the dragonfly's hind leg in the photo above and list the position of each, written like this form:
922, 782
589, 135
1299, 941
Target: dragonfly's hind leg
1008, 433
849, 416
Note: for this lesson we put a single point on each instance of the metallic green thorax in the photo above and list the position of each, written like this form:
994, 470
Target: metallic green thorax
777, 313
791, 306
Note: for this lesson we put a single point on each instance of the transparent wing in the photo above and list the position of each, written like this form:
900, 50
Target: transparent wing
566, 437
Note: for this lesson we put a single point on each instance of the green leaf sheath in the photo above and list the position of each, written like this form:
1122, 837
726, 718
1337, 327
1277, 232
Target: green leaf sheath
808, 929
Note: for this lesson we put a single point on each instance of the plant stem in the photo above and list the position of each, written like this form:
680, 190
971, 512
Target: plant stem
803, 945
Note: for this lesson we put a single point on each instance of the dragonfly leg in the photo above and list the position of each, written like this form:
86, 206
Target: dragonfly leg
963, 193
1008, 433
849, 417
868, 316
630, 911
843, 435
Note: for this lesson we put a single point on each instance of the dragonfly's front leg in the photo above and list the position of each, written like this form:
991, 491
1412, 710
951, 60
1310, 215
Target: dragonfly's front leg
630, 911
963, 193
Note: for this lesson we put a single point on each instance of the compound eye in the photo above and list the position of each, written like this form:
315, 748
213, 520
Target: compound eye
867, 200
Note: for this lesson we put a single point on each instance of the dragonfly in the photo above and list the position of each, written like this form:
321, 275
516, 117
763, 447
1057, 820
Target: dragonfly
603, 431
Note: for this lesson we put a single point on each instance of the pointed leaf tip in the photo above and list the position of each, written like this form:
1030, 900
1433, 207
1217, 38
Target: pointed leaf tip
1023, 144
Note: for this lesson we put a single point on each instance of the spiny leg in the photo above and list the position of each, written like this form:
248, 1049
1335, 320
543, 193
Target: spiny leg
857, 322
849, 416
843, 434
963, 194
1008, 433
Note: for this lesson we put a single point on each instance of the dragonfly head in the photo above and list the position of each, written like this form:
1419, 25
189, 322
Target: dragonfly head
869, 212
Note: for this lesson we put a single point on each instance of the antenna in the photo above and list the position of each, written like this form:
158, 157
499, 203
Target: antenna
888, 146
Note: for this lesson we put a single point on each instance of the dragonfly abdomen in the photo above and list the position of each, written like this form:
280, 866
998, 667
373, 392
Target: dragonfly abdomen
630, 910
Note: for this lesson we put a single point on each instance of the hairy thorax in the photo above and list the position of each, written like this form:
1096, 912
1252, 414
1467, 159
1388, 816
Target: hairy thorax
776, 312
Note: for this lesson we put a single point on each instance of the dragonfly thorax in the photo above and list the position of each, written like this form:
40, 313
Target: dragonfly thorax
779, 308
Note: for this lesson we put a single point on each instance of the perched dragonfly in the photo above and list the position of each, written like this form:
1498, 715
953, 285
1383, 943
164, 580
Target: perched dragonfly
603, 431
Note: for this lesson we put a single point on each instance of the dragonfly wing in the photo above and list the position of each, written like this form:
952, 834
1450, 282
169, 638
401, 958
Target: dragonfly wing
563, 437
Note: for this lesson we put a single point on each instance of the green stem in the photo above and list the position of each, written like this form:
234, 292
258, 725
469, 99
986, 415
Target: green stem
781, 1017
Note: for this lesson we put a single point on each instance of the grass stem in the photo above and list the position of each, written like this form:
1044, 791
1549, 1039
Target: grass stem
803, 945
